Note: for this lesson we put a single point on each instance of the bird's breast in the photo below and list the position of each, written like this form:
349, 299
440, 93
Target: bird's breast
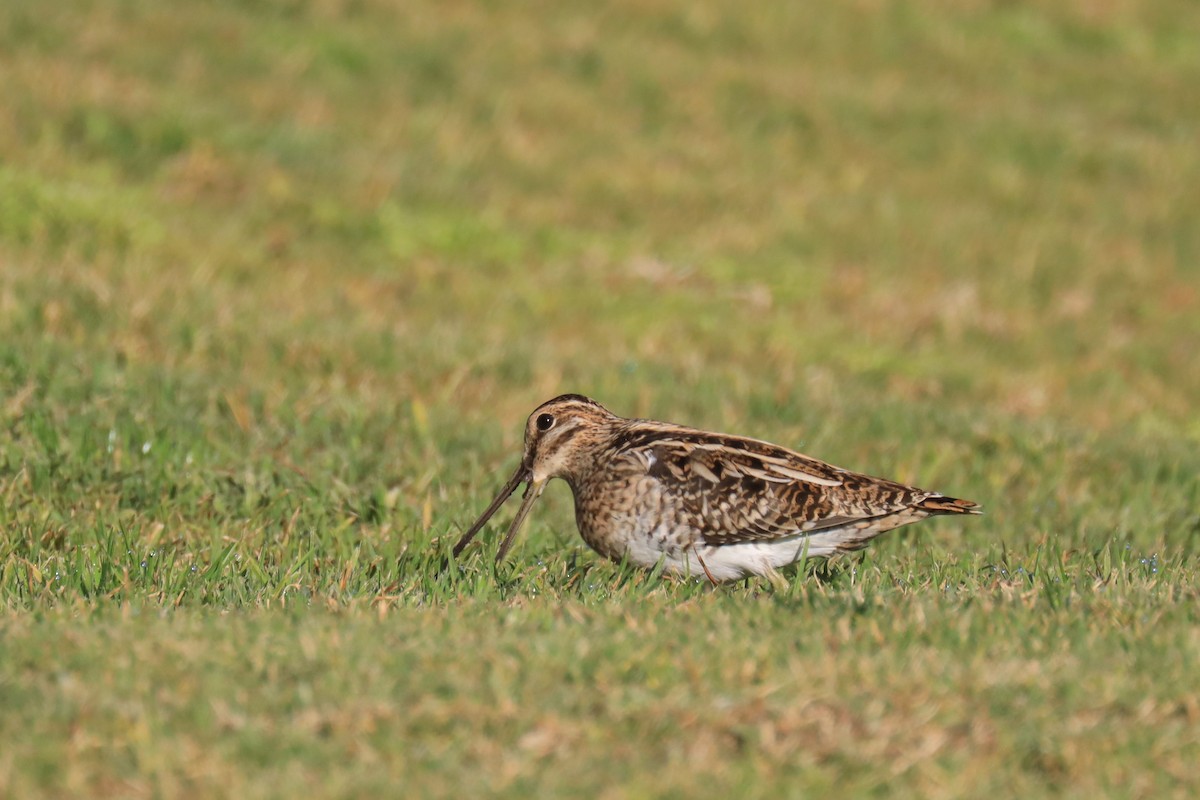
631, 515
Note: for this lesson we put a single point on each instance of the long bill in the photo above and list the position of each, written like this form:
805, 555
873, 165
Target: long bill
532, 492
520, 475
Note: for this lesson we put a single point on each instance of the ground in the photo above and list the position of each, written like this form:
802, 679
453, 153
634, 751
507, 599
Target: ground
280, 281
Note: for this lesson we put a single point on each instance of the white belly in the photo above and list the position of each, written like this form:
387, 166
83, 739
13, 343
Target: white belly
732, 561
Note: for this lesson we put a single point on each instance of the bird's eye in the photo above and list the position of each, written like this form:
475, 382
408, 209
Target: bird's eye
544, 422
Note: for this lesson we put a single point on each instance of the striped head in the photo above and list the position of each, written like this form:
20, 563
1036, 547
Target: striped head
559, 435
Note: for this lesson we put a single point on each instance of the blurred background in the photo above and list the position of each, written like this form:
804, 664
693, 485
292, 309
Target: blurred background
281, 279
430, 217
420, 220
368, 237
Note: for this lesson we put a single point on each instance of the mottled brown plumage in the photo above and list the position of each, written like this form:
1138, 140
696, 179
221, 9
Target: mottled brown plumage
699, 502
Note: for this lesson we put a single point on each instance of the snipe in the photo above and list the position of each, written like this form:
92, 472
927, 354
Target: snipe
699, 502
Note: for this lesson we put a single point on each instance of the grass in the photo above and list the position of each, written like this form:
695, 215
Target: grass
279, 282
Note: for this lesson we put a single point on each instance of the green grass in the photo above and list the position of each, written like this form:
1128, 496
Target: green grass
279, 282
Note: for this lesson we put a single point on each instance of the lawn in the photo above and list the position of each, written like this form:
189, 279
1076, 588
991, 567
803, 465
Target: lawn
280, 281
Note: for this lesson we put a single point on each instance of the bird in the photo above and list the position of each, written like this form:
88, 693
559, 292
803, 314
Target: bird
698, 503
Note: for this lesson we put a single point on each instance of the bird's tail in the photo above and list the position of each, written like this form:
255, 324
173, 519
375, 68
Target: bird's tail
940, 504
